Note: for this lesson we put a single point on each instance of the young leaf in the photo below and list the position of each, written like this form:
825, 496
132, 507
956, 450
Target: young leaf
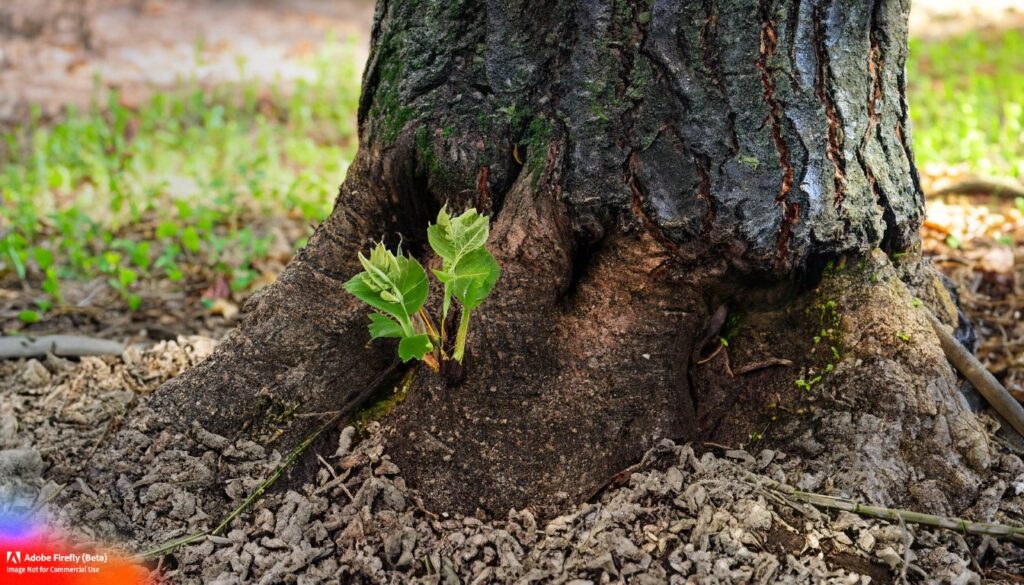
29, 316
381, 326
455, 240
474, 277
396, 285
452, 238
415, 346
437, 235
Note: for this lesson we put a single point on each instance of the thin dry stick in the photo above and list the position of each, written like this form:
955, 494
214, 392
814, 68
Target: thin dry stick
979, 377
960, 525
983, 185
293, 456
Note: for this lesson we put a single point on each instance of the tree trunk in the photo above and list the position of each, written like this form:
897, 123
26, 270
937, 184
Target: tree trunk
660, 175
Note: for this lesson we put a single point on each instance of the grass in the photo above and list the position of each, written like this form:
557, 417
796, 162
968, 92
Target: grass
966, 96
187, 179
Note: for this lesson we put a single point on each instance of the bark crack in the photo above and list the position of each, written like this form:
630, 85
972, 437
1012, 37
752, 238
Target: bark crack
791, 211
876, 65
834, 151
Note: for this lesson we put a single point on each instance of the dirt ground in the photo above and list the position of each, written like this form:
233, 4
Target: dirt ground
54, 52
675, 518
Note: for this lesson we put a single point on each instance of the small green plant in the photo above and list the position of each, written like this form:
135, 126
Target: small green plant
396, 285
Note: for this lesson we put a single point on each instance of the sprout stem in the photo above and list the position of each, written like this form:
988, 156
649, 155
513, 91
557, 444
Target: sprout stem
460, 336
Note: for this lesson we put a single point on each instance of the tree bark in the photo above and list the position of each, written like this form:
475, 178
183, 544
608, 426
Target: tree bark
645, 163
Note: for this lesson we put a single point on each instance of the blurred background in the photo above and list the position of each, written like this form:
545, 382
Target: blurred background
161, 160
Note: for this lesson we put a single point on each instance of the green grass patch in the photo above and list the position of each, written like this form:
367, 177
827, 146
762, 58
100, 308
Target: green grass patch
966, 96
133, 194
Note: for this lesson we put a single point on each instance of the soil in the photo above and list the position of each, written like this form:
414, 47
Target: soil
676, 518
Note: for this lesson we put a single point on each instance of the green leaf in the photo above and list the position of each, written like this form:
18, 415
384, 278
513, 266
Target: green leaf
29, 317
126, 276
51, 284
415, 346
190, 239
381, 326
166, 229
396, 285
140, 255
44, 257
473, 278
453, 238
439, 241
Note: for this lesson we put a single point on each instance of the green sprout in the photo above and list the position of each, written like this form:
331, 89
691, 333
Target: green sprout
397, 287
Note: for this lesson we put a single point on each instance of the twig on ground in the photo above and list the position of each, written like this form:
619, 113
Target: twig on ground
1014, 533
13, 347
983, 186
979, 377
292, 457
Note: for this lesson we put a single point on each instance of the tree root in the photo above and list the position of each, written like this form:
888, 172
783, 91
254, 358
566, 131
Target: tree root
290, 460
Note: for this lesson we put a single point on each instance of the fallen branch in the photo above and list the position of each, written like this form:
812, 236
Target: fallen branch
13, 347
983, 186
1014, 533
979, 377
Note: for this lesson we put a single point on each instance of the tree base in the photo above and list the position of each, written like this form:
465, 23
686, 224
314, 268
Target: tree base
882, 412
587, 354
849, 376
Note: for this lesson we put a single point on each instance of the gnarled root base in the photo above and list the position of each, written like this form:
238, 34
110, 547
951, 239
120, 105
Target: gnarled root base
880, 415
587, 354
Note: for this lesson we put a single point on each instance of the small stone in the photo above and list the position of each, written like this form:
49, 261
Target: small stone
23, 463
758, 517
866, 542
674, 478
890, 557
345, 441
35, 374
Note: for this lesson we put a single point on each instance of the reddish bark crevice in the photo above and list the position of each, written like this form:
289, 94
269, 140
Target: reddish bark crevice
483, 190
834, 152
704, 191
875, 96
791, 211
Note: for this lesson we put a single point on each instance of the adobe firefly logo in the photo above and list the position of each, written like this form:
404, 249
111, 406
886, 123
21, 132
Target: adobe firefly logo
13, 557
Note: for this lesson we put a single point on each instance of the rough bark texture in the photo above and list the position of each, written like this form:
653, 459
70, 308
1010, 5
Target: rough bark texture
645, 162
